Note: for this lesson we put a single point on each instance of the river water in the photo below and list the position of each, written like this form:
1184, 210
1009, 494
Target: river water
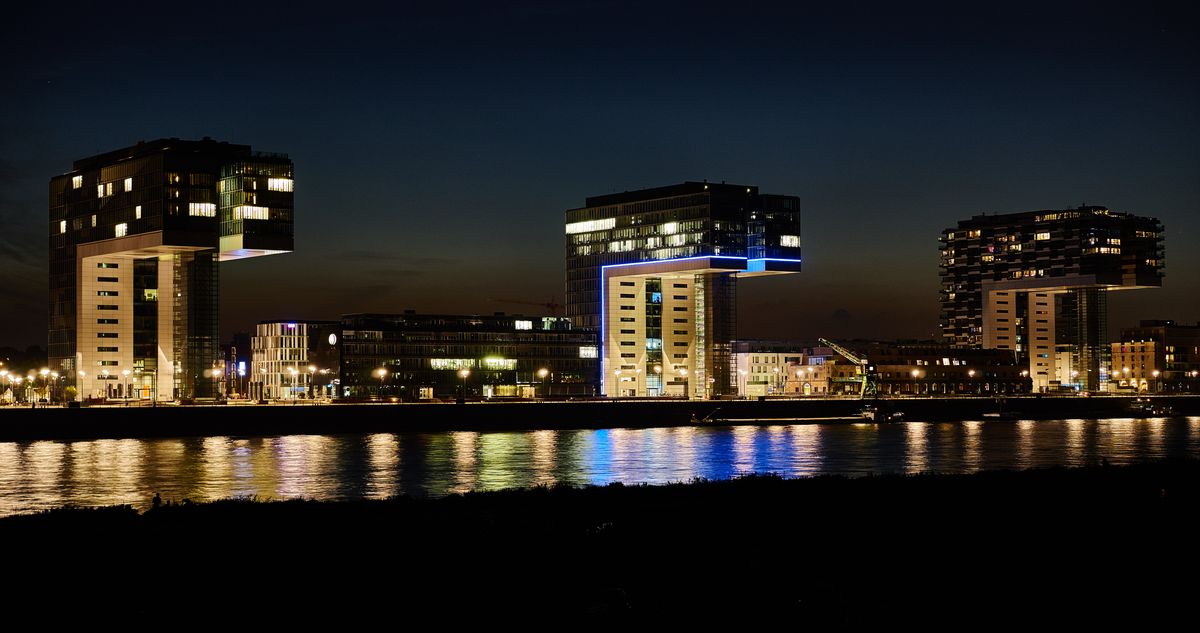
46, 474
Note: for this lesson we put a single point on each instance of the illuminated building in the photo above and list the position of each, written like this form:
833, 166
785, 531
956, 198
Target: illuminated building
655, 273
426, 355
136, 236
928, 368
1157, 356
1035, 284
295, 359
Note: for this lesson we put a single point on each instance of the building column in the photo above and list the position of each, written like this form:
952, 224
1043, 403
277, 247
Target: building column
716, 328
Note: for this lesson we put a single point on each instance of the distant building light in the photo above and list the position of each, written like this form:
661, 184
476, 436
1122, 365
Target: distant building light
591, 225
523, 325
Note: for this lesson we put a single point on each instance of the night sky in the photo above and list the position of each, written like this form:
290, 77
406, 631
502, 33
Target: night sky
437, 147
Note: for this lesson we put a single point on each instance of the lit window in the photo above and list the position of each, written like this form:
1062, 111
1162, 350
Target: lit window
591, 225
202, 209
137, 212
670, 228
588, 351
280, 184
62, 226
122, 229
973, 233
247, 212
100, 191
1042, 236
108, 189
789, 240
93, 220
128, 184
76, 182
524, 325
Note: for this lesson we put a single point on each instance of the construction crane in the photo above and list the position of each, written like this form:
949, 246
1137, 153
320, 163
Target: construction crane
552, 305
864, 372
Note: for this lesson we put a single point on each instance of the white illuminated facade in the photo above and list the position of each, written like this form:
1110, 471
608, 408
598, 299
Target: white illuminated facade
655, 272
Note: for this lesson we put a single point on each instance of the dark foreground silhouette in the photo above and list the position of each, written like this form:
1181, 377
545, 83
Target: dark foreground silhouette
1062, 547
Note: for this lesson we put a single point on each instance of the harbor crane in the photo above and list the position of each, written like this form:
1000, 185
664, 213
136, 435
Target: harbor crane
864, 373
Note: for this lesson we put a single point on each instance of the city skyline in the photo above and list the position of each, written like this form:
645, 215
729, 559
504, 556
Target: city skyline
887, 126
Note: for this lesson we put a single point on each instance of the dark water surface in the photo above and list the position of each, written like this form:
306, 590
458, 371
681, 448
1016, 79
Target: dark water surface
46, 474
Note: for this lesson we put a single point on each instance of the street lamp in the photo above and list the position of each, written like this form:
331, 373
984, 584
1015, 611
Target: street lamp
463, 373
125, 387
45, 383
216, 374
683, 373
658, 379
382, 373
312, 369
294, 373
776, 385
1153, 385
542, 373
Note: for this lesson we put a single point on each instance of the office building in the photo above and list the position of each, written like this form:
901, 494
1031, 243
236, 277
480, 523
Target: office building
136, 236
414, 356
1035, 284
1157, 357
655, 273
293, 360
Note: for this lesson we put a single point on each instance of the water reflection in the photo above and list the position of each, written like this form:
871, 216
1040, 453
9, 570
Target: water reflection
39, 475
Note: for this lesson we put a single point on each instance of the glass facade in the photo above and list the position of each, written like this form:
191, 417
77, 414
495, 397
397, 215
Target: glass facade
681, 345
423, 355
141, 222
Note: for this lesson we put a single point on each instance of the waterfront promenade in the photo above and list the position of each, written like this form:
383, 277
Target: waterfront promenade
24, 423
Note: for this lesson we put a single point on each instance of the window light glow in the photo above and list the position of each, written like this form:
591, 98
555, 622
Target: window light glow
76, 182
137, 212
122, 229
789, 240
280, 184
202, 209
591, 225
523, 325
128, 184
248, 212
62, 226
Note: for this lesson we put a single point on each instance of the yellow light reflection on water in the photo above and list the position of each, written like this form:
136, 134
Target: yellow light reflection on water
503, 460
1025, 444
466, 460
1075, 445
305, 465
916, 447
545, 444
383, 457
805, 440
44, 465
972, 446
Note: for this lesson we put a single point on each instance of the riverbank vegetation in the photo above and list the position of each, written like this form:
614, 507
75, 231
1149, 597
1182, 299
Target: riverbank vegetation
1100, 544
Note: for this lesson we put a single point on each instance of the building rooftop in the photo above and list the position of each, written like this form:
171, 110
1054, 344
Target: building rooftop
668, 191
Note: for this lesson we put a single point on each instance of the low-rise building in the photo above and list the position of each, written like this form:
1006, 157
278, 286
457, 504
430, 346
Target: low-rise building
927, 368
414, 356
1157, 356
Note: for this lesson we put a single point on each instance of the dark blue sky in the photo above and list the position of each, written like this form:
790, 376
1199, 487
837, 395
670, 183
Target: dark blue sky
436, 147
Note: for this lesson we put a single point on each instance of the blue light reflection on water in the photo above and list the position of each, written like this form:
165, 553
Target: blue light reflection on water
44, 474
